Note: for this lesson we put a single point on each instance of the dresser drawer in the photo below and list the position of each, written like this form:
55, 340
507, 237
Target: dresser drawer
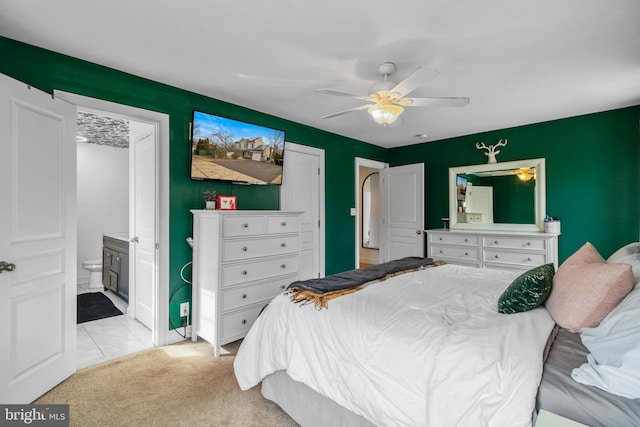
237, 225
235, 298
236, 325
455, 239
282, 224
523, 259
513, 243
461, 253
233, 250
233, 274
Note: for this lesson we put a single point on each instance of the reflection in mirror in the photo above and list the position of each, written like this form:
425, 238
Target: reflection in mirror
509, 195
371, 211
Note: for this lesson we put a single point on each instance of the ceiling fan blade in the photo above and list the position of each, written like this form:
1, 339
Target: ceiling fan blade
434, 102
341, 93
339, 113
413, 81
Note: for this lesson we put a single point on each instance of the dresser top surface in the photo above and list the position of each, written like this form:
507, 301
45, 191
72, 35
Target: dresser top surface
494, 233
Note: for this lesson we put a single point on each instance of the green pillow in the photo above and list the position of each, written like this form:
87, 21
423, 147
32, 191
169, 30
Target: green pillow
528, 290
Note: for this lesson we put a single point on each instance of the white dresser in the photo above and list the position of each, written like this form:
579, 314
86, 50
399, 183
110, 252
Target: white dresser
503, 250
241, 260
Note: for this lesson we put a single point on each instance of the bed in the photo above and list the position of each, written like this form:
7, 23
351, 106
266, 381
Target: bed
423, 348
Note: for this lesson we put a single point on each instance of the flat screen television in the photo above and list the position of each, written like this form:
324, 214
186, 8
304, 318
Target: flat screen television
461, 185
223, 149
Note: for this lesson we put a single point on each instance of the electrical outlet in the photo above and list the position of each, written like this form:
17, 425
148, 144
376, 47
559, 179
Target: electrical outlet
184, 309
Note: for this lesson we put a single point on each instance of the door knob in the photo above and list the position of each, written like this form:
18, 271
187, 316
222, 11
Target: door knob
418, 231
135, 239
6, 266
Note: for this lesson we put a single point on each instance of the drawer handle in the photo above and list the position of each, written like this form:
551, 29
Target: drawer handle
496, 242
245, 225
282, 286
244, 272
496, 257
528, 243
466, 240
440, 238
466, 254
441, 251
283, 223
283, 265
244, 321
284, 245
244, 249
244, 296
529, 259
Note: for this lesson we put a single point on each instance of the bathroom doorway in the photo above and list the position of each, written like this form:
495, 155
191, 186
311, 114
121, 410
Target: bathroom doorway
111, 181
148, 238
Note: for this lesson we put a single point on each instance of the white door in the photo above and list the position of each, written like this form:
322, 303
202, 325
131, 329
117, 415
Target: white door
303, 191
143, 222
482, 202
38, 236
402, 212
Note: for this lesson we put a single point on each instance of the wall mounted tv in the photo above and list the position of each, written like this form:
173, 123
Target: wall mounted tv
224, 149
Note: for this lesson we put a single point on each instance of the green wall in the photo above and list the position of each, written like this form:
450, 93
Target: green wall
48, 70
592, 166
592, 161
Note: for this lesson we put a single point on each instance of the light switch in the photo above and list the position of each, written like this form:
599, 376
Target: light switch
353, 211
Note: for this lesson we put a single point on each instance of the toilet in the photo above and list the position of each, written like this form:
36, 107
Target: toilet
95, 269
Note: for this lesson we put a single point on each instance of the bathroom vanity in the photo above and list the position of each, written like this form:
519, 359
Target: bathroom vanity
115, 264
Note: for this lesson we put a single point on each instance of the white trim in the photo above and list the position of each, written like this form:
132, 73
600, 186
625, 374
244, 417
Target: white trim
161, 121
304, 149
368, 163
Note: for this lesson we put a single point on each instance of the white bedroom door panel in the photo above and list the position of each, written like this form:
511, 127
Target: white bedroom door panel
402, 212
303, 191
144, 222
38, 236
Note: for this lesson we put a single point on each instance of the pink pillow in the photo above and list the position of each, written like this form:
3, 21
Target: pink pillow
587, 254
586, 288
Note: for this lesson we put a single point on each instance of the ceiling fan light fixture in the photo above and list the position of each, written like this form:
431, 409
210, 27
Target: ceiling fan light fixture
385, 114
525, 174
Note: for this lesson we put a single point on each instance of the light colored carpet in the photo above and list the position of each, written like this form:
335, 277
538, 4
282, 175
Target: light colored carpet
177, 385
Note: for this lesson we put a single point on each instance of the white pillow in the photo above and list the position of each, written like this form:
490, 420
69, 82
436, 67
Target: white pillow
614, 345
628, 254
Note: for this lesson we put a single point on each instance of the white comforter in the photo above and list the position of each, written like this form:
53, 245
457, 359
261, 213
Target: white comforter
427, 348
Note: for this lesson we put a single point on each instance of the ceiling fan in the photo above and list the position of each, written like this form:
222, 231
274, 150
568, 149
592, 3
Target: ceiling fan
388, 99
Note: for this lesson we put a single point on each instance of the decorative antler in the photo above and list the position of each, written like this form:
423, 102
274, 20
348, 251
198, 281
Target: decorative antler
491, 150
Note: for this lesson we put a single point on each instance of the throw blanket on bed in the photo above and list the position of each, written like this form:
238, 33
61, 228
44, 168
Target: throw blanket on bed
426, 348
320, 291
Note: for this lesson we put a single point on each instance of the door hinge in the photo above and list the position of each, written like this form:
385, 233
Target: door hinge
318, 171
157, 245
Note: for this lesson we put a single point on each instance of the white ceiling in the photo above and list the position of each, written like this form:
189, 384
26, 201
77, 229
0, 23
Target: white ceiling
519, 62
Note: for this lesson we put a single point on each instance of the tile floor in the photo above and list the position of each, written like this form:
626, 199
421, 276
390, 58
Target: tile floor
105, 339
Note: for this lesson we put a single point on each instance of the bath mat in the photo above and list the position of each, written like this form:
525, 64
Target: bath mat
94, 306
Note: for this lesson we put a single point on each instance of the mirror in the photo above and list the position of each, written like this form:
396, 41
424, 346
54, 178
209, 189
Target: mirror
371, 211
508, 196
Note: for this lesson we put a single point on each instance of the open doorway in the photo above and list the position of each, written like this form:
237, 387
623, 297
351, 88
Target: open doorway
368, 211
148, 238
111, 180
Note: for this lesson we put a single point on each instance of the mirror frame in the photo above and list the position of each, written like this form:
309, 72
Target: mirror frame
540, 196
